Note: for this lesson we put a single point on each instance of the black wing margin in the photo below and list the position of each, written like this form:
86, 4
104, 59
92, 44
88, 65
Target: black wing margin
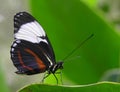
22, 18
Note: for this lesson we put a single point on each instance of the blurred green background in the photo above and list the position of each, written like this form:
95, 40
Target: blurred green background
67, 24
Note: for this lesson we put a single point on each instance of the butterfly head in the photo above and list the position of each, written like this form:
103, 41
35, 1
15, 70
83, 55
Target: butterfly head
55, 67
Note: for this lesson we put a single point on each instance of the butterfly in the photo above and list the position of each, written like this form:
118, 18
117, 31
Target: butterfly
31, 51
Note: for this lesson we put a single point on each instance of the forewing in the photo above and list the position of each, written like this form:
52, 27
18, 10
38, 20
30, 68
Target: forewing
27, 28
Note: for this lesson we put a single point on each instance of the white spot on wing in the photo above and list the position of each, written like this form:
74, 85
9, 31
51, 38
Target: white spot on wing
18, 15
15, 18
18, 41
21, 13
12, 49
15, 44
31, 32
15, 22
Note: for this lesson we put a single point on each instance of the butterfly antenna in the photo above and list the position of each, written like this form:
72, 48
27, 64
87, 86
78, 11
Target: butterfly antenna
78, 47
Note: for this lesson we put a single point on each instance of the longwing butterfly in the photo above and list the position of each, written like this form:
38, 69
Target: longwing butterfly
31, 51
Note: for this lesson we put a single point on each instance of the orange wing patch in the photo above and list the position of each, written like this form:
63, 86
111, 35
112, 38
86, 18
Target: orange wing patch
22, 63
38, 60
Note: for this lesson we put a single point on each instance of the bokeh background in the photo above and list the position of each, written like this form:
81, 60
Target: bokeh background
96, 56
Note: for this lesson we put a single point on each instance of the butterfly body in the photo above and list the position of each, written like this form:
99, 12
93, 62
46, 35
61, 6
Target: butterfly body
31, 51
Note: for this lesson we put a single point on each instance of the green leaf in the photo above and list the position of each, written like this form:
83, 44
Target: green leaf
97, 87
92, 3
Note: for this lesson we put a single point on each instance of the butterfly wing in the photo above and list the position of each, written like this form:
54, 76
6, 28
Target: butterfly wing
31, 52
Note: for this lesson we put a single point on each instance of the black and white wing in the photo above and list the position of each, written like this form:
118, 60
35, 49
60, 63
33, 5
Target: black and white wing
31, 52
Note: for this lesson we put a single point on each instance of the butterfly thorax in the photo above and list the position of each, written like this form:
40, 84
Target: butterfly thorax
55, 67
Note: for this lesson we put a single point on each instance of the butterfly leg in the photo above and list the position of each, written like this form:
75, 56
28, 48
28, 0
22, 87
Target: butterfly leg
45, 76
60, 72
55, 77
61, 77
